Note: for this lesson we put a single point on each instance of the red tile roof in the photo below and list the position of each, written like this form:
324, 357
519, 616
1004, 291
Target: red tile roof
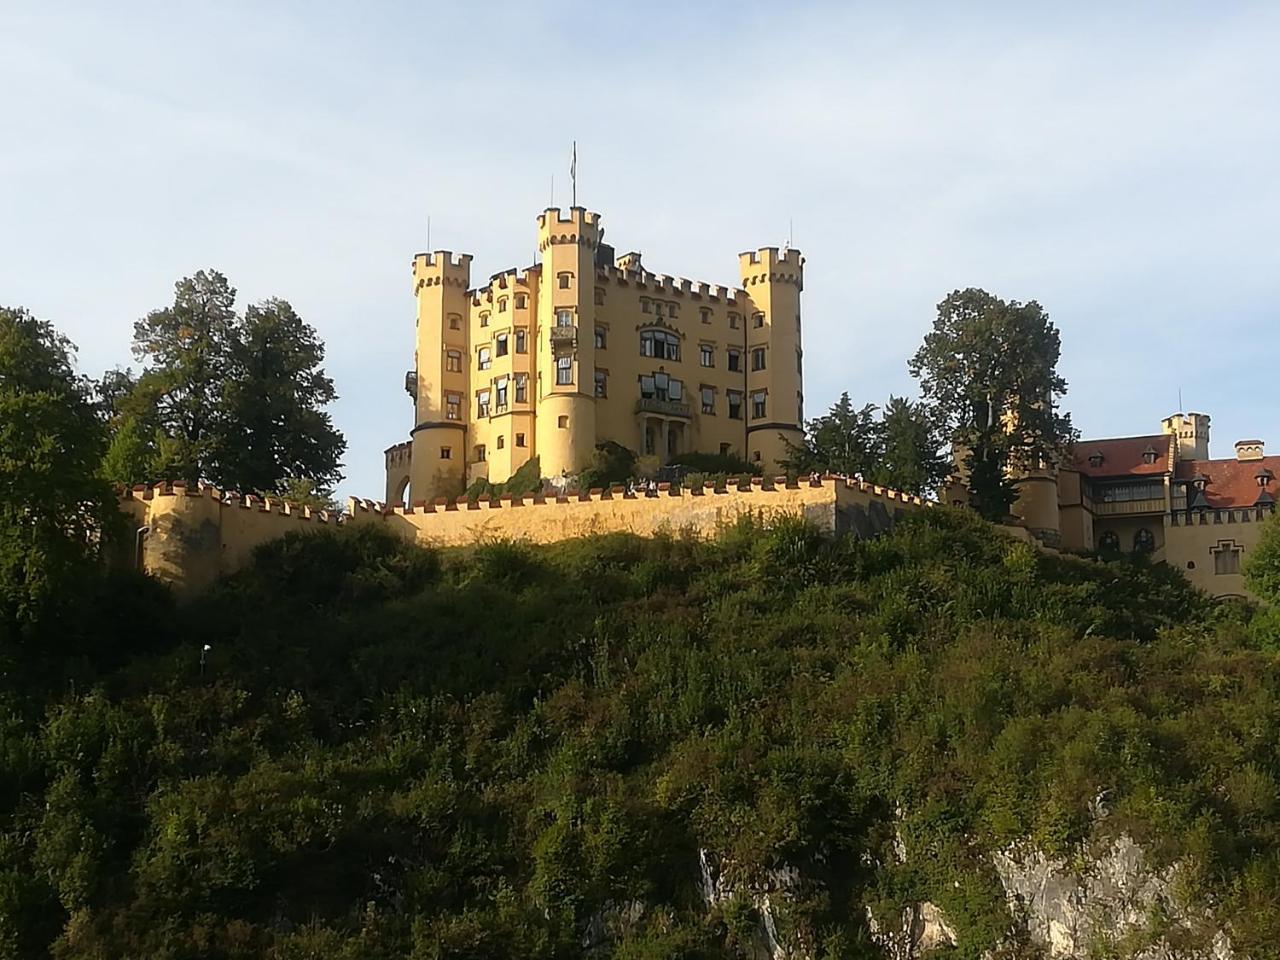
1232, 483
1123, 456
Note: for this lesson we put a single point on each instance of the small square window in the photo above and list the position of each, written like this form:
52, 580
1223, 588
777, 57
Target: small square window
733, 321
519, 439
705, 313
562, 422
522, 301
446, 453
502, 441
455, 321
565, 280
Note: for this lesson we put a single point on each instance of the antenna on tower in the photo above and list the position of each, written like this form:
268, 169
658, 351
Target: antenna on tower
1180, 400
573, 173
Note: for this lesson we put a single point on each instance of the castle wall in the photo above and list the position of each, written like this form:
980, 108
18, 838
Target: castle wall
832, 504
195, 537
1191, 539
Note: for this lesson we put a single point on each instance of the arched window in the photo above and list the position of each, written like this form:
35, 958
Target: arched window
522, 301
1109, 542
1143, 541
502, 304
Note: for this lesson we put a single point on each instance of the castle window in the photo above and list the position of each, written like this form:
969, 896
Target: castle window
602, 384
707, 355
644, 305
709, 400
502, 304
758, 404
564, 371
562, 422
520, 440
564, 280
659, 344
659, 386
735, 404
502, 344
599, 297
453, 406
522, 340
484, 319
522, 388
724, 449
502, 442
671, 309
733, 321
446, 453
601, 338
453, 361
522, 301
500, 385
1143, 541
483, 358
755, 456
757, 320
455, 321
564, 318
1109, 542
1226, 558
735, 360
480, 452
757, 358
482, 403
705, 312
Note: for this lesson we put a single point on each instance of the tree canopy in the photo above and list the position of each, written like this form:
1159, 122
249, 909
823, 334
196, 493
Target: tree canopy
237, 400
989, 370
53, 505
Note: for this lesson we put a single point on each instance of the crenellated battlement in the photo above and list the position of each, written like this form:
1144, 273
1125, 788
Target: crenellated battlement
769, 265
581, 226
399, 455
441, 268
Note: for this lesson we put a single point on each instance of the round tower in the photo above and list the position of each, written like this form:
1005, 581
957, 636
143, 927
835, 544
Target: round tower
564, 333
439, 384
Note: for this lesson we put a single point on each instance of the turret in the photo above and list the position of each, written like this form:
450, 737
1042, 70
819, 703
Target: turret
566, 421
439, 381
1192, 433
773, 280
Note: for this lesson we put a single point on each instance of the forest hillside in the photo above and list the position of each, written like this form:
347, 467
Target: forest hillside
618, 747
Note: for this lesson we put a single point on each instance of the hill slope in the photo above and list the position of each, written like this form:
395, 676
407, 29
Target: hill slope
628, 745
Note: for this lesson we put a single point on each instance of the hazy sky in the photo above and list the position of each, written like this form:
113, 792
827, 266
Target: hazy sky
1118, 165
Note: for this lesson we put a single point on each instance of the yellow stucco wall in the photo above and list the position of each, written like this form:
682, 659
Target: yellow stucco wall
1190, 544
609, 305
194, 538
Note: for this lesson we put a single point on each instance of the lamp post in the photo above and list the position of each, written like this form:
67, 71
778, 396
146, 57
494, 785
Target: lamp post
204, 652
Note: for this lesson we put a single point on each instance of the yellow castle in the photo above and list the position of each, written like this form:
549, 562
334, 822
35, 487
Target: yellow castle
586, 347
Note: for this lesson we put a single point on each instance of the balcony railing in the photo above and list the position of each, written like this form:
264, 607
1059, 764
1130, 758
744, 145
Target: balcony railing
1113, 508
666, 408
564, 335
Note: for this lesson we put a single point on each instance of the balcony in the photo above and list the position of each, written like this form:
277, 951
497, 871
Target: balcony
1114, 508
564, 335
664, 408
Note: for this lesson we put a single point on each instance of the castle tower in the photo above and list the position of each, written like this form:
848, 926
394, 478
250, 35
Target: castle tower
564, 334
774, 384
1192, 433
439, 381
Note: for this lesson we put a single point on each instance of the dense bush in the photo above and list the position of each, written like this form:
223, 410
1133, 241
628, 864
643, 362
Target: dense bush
394, 753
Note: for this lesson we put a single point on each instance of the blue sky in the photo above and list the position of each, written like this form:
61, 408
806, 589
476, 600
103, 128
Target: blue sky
1117, 162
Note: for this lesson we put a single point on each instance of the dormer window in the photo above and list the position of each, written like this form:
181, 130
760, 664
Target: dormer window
1095, 460
1149, 455
1264, 478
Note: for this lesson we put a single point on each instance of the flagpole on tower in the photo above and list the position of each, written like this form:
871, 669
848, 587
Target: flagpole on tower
573, 172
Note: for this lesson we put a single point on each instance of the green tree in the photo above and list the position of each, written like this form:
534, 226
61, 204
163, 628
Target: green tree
845, 440
989, 367
234, 400
910, 457
54, 507
1262, 564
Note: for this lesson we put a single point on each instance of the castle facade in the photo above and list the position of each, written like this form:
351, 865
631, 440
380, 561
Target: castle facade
587, 346
1159, 494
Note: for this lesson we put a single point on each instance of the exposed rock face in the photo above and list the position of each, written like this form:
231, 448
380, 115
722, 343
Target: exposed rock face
767, 942
610, 925
922, 929
1111, 904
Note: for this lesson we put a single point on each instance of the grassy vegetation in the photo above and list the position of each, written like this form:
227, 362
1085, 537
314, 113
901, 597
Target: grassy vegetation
398, 753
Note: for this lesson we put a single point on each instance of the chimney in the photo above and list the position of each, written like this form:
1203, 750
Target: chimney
1249, 450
